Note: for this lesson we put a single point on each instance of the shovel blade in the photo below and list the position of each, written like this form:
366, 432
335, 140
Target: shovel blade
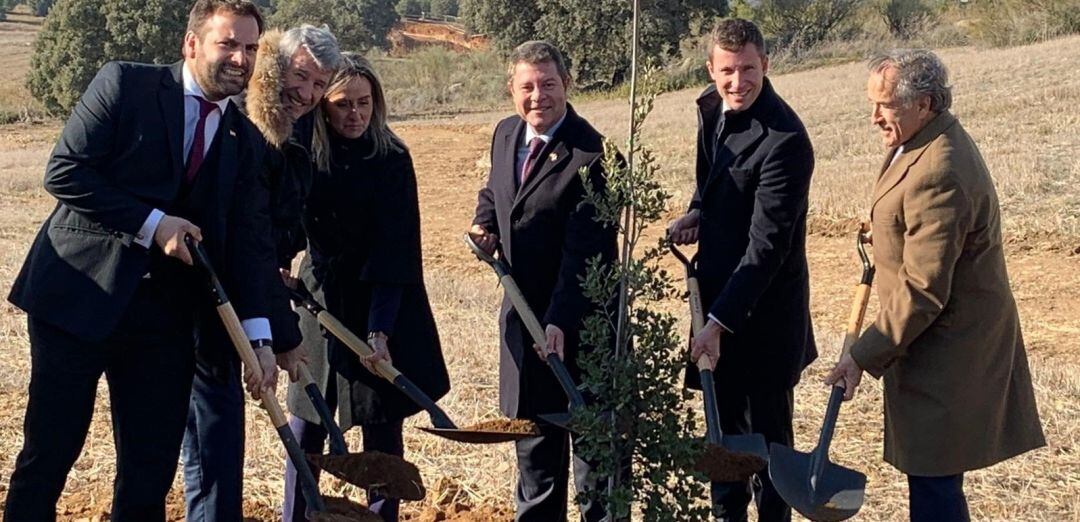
837, 494
477, 436
731, 463
560, 420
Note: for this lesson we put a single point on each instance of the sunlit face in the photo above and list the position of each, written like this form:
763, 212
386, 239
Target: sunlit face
348, 109
738, 75
897, 121
304, 85
221, 59
539, 94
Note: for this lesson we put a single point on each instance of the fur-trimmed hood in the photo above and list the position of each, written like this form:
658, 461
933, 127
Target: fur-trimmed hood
263, 99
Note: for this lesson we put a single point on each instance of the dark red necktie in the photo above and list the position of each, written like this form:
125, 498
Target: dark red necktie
535, 146
198, 143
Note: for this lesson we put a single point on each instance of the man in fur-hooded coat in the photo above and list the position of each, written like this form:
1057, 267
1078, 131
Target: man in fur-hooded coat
292, 70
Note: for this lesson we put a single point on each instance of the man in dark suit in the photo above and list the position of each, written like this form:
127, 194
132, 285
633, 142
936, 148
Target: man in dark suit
749, 216
532, 208
150, 155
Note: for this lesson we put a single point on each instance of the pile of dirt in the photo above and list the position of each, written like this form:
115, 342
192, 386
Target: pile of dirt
721, 465
464, 513
388, 475
506, 426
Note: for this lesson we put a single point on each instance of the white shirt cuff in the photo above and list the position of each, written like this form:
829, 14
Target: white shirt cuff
145, 236
717, 321
257, 328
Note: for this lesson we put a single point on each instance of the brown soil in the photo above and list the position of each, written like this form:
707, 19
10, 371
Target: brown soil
506, 426
391, 476
463, 513
721, 465
340, 509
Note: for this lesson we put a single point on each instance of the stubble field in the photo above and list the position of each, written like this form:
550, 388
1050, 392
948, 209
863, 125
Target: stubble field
1019, 105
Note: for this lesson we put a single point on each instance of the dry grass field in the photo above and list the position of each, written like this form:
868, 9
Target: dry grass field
1018, 103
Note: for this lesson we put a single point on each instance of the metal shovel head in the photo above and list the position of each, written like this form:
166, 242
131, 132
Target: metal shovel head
837, 495
344, 510
735, 459
388, 475
490, 431
559, 420
477, 436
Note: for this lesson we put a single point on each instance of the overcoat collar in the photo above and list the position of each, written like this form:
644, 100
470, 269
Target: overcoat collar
263, 99
744, 129
893, 172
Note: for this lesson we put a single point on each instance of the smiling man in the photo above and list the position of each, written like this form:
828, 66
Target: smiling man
748, 215
150, 154
532, 207
290, 76
947, 339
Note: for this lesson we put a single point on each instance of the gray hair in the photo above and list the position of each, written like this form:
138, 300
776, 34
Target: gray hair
535, 52
919, 72
319, 42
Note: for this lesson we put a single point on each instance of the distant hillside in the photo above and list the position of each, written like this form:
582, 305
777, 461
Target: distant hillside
412, 33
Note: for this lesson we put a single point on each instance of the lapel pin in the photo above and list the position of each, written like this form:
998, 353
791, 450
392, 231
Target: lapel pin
232, 133
553, 157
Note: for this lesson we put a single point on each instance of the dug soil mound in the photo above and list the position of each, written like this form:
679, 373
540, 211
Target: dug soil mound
387, 475
721, 465
521, 426
340, 509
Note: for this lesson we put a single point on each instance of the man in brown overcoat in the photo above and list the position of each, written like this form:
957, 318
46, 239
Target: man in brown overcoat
958, 393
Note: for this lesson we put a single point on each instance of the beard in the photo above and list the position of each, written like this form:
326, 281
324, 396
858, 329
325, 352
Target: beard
217, 83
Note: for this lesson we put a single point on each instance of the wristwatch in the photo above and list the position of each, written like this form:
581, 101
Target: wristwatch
377, 335
261, 343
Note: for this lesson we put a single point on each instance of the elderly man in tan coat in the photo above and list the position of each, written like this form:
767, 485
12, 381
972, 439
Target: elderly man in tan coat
958, 393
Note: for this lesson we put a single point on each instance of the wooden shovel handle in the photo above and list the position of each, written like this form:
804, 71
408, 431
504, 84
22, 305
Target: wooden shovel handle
385, 369
855, 319
247, 355
697, 309
704, 363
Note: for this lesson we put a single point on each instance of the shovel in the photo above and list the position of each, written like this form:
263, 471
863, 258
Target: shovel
308, 485
502, 269
443, 426
349, 462
727, 458
808, 482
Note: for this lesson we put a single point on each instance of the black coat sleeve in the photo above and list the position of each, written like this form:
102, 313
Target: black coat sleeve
75, 175
485, 200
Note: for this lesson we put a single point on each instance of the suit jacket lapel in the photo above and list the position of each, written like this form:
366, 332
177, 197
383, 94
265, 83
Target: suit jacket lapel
226, 143
552, 158
725, 152
171, 100
509, 177
914, 148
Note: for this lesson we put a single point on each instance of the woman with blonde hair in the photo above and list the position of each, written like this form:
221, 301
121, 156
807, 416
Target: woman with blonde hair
363, 260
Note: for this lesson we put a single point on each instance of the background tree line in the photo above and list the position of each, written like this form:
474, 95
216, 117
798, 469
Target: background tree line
78, 36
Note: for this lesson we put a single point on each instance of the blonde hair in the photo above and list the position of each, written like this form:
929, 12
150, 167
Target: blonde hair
353, 65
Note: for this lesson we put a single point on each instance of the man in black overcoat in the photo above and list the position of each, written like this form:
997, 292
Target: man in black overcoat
150, 155
532, 208
748, 216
